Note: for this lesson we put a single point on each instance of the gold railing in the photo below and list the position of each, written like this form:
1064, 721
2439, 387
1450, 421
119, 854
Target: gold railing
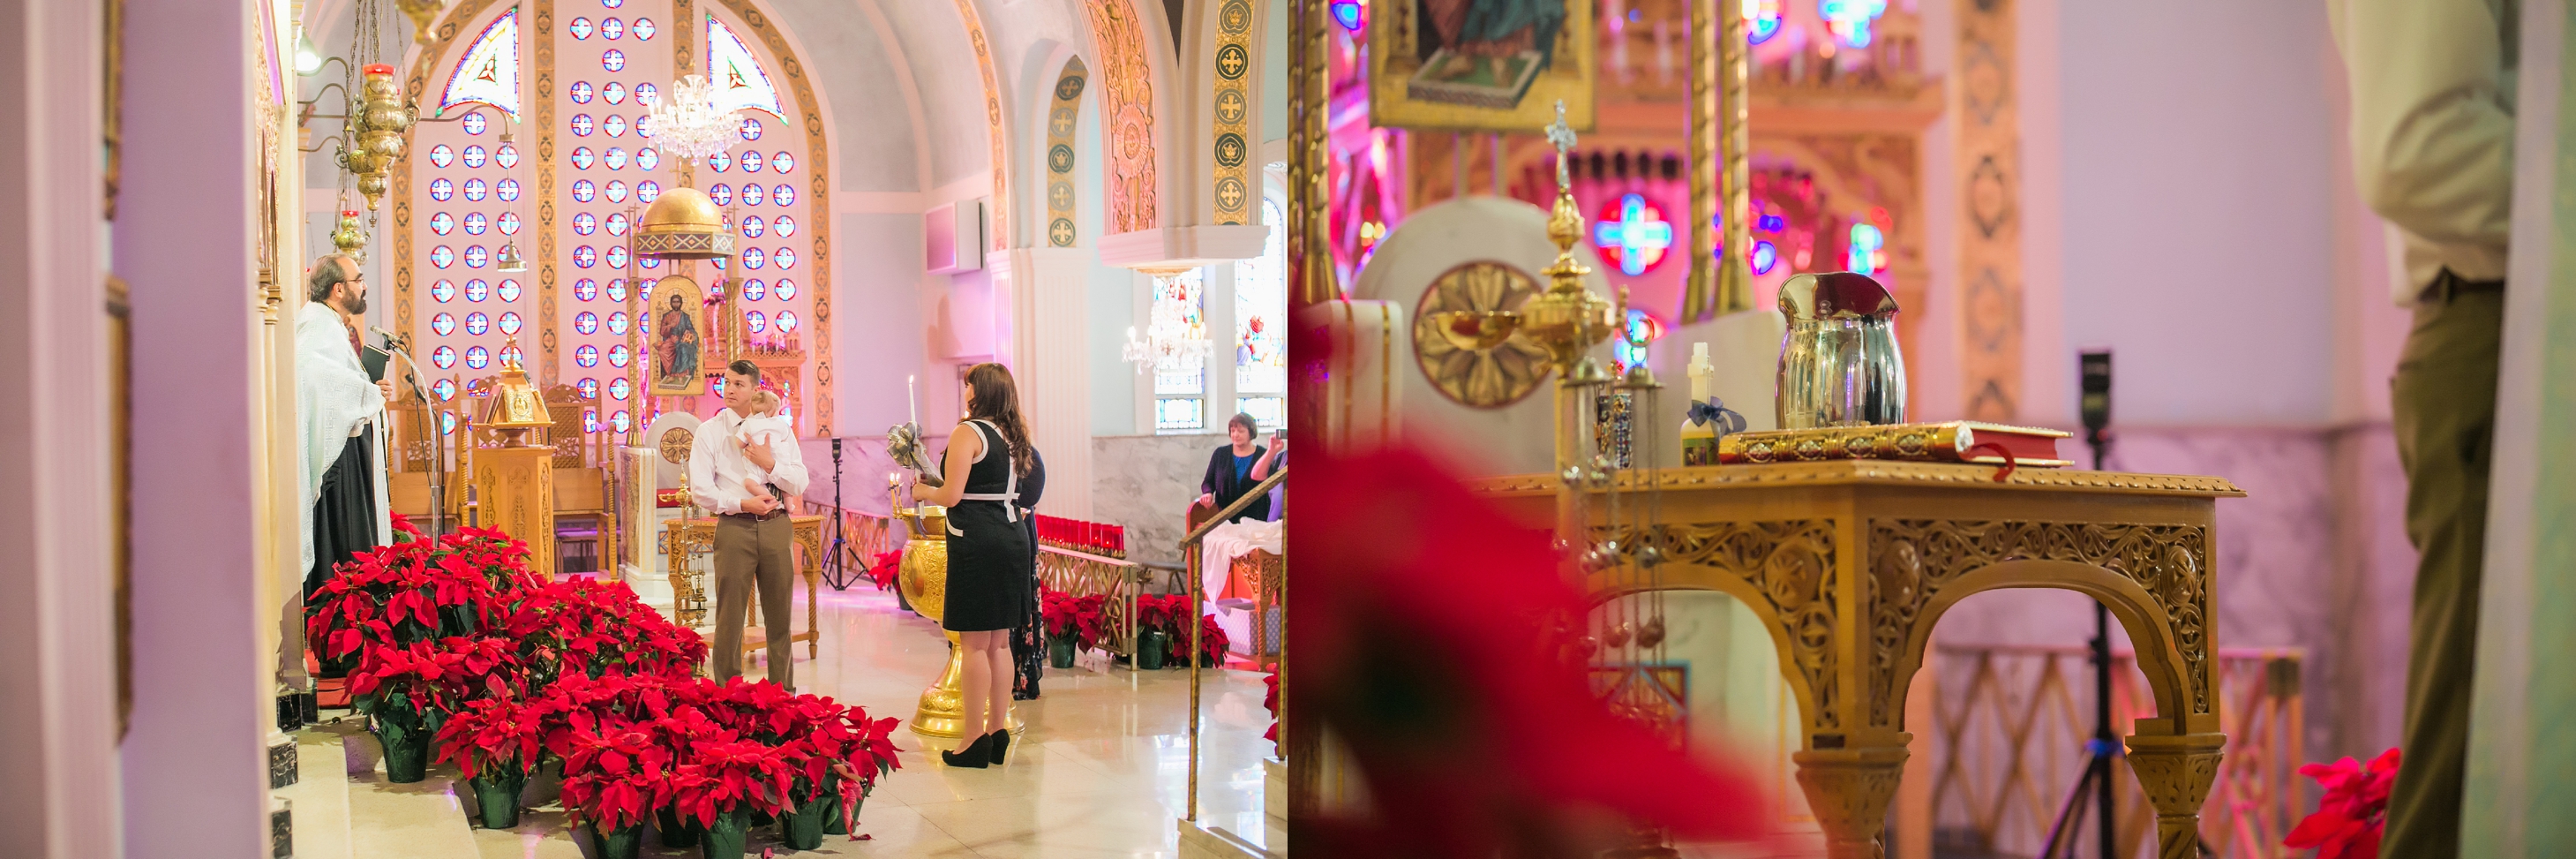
1117, 581
2010, 727
1191, 544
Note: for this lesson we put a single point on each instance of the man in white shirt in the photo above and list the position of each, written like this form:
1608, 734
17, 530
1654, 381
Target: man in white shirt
338, 410
2432, 137
747, 486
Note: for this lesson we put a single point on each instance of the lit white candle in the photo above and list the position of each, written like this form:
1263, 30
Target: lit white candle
912, 400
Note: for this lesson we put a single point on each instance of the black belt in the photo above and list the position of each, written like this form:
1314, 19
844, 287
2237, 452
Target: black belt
774, 495
2447, 285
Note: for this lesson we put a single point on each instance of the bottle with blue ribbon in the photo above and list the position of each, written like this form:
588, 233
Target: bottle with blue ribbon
1708, 419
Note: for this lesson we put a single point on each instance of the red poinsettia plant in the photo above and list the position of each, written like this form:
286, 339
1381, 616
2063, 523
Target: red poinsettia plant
1270, 701
615, 773
1079, 618
499, 735
1212, 641
725, 773
2354, 812
888, 566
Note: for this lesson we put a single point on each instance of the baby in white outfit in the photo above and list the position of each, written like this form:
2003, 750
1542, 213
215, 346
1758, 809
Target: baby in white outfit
766, 424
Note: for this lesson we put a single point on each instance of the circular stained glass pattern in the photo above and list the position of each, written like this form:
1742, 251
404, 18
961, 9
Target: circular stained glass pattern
611, 28
643, 28
644, 125
645, 291
446, 423
785, 226
513, 355
443, 356
615, 125
617, 256
476, 290
619, 421
615, 158
784, 194
586, 322
752, 227
612, 3
782, 162
444, 324
475, 123
587, 356
441, 256
786, 258
476, 256
721, 193
442, 223
613, 60
476, 190
475, 223
509, 323
589, 417
442, 190
509, 290
750, 128
509, 223
647, 190
751, 194
752, 258
753, 289
755, 321
580, 28
616, 190
585, 289
751, 162
583, 191
650, 262
617, 222
720, 161
582, 124
617, 355
618, 388
444, 388
643, 323
477, 323
585, 256
617, 323
613, 93
478, 357
785, 288
443, 290
585, 223
474, 156
582, 157
617, 289
441, 155
509, 189
720, 263
786, 321
580, 92
507, 156
647, 159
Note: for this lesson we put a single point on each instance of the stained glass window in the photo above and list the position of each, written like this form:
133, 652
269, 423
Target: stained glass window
475, 189
647, 159
443, 356
785, 258
739, 82
489, 73
509, 323
752, 227
785, 225
442, 223
617, 256
441, 256
752, 258
1178, 316
615, 158
782, 162
507, 156
784, 195
617, 355
443, 323
443, 290
615, 125
585, 289
1260, 329
580, 92
477, 323
441, 190
787, 321
442, 155
722, 194
613, 60
509, 223
750, 161
476, 256
474, 156
751, 128
786, 289
585, 223
617, 222
582, 157
476, 290
585, 256
617, 289
586, 322
475, 123
752, 290
580, 28
475, 223
751, 194
618, 388
617, 322
612, 28
756, 322
509, 289
582, 125
643, 28
647, 190
720, 161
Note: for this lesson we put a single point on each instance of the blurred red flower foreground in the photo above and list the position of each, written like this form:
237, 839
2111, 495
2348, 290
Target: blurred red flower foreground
1434, 639
2353, 812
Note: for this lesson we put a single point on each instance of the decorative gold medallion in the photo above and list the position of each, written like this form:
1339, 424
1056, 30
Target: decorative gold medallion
1487, 379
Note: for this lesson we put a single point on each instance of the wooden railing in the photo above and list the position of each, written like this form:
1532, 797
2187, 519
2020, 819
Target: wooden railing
2008, 745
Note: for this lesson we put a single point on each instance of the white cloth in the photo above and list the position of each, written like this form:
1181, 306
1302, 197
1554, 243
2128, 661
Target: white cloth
717, 469
1232, 540
759, 430
2432, 86
335, 404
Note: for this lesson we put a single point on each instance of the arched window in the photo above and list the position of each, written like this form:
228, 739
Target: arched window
1261, 325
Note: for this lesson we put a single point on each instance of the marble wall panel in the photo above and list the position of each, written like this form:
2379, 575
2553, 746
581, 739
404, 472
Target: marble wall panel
1146, 483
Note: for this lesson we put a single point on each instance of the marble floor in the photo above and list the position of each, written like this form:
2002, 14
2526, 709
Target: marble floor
1102, 770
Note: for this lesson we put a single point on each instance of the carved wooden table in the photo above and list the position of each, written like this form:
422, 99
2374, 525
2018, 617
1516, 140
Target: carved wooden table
1850, 563
687, 536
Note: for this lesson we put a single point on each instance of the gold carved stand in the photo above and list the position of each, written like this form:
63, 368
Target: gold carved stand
1850, 563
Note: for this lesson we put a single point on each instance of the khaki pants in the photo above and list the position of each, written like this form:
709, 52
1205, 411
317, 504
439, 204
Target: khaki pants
2445, 401
748, 551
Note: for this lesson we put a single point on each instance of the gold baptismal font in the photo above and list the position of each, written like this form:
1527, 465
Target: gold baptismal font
924, 580
514, 483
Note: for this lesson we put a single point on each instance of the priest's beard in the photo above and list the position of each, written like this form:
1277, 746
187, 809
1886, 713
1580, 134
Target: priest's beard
355, 305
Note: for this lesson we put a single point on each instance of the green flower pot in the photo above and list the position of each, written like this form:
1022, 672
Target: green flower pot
674, 832
803, 828
833, 822
497, 792
406, 743
728, 838
1149, 650
1060, 652
624, 843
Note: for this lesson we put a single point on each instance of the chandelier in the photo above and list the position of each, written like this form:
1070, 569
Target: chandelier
1176, 339
687, 123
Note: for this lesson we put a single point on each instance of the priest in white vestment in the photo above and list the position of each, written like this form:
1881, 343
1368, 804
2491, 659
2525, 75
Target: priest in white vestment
340, 420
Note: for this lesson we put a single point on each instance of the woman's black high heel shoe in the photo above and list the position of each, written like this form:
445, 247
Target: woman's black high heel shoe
1001, 743
976, 755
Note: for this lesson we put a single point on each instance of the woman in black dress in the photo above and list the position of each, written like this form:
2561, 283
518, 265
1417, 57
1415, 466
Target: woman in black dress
988, 556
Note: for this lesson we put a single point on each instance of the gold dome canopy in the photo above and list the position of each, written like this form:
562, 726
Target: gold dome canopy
515, 407
683, 223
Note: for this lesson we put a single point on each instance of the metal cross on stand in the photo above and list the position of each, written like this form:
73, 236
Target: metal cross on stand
1561, 136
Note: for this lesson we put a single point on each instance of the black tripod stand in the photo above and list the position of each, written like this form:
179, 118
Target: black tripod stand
2104, 748
841, 562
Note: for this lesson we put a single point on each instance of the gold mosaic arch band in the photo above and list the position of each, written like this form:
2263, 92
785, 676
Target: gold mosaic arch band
1126, 114
818, 153
549, 365
1064, 115
992, 121
1310, 257
417, 82
1231, 141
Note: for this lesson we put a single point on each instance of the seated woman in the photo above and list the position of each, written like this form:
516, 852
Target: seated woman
1229, 471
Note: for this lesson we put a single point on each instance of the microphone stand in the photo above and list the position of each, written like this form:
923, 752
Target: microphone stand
438, 449
836, 571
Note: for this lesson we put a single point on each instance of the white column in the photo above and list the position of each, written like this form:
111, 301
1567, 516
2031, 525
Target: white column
1219, 313
58, 701
194, 762
1050, 346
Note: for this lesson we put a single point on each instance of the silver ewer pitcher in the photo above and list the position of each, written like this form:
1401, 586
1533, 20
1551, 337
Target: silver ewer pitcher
1838, 364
